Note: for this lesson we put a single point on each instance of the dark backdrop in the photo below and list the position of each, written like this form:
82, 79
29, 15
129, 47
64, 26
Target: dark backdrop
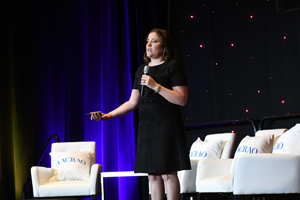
63, 59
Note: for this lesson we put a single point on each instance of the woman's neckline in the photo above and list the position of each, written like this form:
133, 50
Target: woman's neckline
157, 64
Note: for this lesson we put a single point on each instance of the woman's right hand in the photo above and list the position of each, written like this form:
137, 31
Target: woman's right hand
100, 116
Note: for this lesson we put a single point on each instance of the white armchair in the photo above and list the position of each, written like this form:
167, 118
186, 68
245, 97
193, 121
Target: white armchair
267, 174
73, 172
271, 174
187, 178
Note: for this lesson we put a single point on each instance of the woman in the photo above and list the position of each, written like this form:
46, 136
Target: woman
161, 147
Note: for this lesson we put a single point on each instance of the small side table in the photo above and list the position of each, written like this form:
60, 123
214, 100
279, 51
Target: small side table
117, 174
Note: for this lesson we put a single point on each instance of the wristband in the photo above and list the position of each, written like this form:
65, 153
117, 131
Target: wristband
158, 89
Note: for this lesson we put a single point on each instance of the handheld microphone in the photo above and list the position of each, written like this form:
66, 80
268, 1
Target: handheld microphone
146, 69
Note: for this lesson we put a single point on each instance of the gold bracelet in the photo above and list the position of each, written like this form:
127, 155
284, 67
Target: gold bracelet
158, 88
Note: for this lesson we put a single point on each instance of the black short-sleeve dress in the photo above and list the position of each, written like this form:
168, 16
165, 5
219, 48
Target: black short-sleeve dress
161, 143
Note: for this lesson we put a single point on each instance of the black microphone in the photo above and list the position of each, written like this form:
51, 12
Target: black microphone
146, 69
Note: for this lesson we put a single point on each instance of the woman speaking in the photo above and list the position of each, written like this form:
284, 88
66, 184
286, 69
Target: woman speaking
159, 89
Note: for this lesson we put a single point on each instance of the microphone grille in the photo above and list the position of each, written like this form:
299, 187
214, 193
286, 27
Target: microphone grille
146, 69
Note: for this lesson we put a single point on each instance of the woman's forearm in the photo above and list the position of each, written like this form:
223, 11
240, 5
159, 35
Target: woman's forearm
123, 109
176, 96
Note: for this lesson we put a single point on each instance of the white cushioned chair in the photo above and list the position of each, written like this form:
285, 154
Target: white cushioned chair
267, 174
73, 172
215, 176
271, 174
187, 178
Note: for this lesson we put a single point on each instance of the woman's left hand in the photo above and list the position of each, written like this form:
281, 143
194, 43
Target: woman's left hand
149, 82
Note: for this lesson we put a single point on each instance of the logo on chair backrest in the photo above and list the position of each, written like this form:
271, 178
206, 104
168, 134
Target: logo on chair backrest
246, 149
278, 145
199, 154
70, 160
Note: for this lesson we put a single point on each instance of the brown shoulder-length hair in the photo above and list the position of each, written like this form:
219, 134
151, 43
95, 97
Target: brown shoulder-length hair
169, 52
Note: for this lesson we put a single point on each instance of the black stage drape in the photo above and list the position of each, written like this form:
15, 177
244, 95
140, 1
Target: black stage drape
242, 59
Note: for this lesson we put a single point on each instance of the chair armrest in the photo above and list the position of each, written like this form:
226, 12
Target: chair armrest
96, 170
187, 178
208, 168
267, 174
40, 176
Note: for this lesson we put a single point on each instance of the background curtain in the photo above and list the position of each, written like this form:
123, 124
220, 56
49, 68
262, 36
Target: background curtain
63, 59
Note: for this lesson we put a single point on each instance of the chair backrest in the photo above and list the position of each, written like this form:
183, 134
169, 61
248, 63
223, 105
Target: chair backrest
277, 133
228, 142
74, 146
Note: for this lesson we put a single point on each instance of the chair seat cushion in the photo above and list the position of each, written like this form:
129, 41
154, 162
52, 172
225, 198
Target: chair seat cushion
213, 184
65, 188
